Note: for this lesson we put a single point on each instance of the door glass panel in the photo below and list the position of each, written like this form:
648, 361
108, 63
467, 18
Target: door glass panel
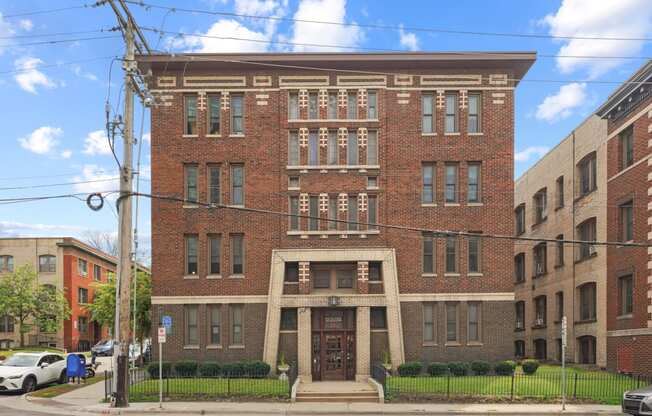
334, 352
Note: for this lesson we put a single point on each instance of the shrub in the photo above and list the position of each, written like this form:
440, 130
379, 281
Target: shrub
410, 369
209, 369
481, 368
152, 369
438, 369
233, 370
458, 368
186, 368
530, 366
256, 369
505, 368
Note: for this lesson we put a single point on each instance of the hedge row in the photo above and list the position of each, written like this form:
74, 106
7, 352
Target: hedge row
457, 368
189, 368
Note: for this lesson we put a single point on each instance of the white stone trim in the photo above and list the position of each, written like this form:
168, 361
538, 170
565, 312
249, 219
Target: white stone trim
405, 80
441, 79
631, 121
452, 297
166, 81
262, 80
630, 332
214, 81
647, 158
188, 300
303, 80
359, 80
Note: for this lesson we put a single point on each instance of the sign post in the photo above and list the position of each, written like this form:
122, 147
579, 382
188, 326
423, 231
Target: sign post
564, 332
161, 341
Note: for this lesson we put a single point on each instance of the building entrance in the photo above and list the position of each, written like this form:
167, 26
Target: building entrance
333, 344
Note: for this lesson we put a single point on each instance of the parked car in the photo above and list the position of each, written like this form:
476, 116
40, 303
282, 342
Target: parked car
26, 371
638, 402
103, 348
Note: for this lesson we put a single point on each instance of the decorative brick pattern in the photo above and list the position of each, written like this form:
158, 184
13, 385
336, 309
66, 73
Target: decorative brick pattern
201, 100
303, 203
303, 137
343, 202
323, 98
303, 98
464, 99
226, 101
341, 98
323, 136
362, 97
363, 270
362, 137
323, 202
362, 202
440, 99
342, 136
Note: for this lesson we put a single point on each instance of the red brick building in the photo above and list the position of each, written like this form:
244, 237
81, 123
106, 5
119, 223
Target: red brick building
411, 139
629, 115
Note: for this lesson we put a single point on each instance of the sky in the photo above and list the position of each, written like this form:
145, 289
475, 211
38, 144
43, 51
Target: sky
54, 95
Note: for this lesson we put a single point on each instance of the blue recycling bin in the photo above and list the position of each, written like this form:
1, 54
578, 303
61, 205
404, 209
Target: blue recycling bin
75, 365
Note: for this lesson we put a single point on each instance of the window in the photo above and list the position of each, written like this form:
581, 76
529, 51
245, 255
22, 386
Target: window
237, 184
519, 214
215, 254
237, 334
626, 295
519, 268
475, 254
191, 254
474, 125
97, 272
293, 149
559, 299
372, 105
190, 111
587, 302
237, 114
451, 254
333, 151
82, 295
372, 212
540, 259
291, 272
539, 311
429, 310
313, 221
519, 348
322, 279
313, 106
451, 322
473, 192
474, 318
627, 221
429, 243
313, 149
540, 349
560, 192
83, 324
288, 319
428, 183
191, 335
540, 202
352, 106
293, 106
6, 323
353, 213
450, 125
47, 263
375, 271
214, 324
332, 213
586, 232
191, 183
352, 149
586, 346
520, 315
559, 253
378, 318
427, 114
587, 174
293, 182
627, 147
237, 254
372, 148
214, 196
344, 279
213, 114
451, 183
372, 182
332, 106
82, 267
6, 264
294, 211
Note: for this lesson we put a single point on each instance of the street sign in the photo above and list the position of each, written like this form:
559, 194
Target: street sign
564, 330
161, 335
166, 321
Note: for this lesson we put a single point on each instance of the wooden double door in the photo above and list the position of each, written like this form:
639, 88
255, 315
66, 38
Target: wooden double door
333, 344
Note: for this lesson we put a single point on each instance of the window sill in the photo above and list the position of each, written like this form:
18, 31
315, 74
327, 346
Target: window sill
288, 331
475, 274
475, 133
558, 208
214, 276
333, 232
544, 326
624, 242
428, 205
379, 330
582, 196
191, 276
428, 274
190, 206
191, 347
475, 344
429, 134
452, 204
587, 258
236, 347
519, 282
452, 274
293, 188
330, 120
213, 136
213, 347
453, 133
235, 205
586, 321
332, 167
475, 204
372, 188
624, 317
539, 222
237, 136
539, 276
452, 344
519, 330
429, 344
291, 283
236, 276
559, 266
190, 136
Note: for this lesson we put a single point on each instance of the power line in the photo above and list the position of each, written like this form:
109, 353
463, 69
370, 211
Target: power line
59, 64
7, 201
58, 184
147, 6
60, 9
58, 41
44, 35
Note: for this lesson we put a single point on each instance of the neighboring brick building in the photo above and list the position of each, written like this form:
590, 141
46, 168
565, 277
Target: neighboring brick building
628, 112
563, 196
410, 139
69, 265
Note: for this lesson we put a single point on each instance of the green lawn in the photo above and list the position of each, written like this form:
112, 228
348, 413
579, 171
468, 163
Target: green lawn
9, 353
57, 389
206, 388
600, 387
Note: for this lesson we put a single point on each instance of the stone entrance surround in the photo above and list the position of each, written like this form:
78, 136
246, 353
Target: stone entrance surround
361, 302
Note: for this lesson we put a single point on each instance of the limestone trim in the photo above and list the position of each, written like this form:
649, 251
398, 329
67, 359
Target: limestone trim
362, 344
630, 332
442, 297
183, 300
627, 169
631, 121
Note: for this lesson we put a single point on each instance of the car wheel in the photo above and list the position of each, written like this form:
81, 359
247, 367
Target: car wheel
63, 378
29, 385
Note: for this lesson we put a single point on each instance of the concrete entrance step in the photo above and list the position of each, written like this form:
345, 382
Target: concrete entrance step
337, 391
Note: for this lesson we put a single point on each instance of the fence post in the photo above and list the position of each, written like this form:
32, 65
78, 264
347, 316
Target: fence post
448, 385
228, 385
511, 395
575, 388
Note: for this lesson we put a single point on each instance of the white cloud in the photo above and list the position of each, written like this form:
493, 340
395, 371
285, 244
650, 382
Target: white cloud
271, 8
316, 33
16, 229
96, 173
83, 74
560, 105
96, 143
42, 140
590, 18
5, 31
30, 77
26, 25
66, 154
228, 37
527, 153
408, 40
147, 137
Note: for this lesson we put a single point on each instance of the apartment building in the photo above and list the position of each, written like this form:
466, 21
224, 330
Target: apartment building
563, 196
341, 142
68, 265
628, 112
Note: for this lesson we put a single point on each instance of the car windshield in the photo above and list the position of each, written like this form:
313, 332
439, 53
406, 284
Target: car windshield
21, 360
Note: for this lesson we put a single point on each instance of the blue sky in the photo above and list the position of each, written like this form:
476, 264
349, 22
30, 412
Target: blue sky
53, 96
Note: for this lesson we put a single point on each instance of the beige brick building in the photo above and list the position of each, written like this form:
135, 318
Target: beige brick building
563, 196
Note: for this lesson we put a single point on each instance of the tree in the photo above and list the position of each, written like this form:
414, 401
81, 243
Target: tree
103, 241
103, 307
30, 304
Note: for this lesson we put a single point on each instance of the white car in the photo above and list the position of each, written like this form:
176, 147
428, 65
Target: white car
25, 371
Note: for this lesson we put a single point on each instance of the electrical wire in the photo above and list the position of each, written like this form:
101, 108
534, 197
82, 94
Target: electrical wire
58, 41
43, 35
59, 64
57, 184
47, 11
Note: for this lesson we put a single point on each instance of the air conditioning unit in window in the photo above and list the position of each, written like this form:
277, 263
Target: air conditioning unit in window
540, 269
592, 250
519, 324
538, 322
